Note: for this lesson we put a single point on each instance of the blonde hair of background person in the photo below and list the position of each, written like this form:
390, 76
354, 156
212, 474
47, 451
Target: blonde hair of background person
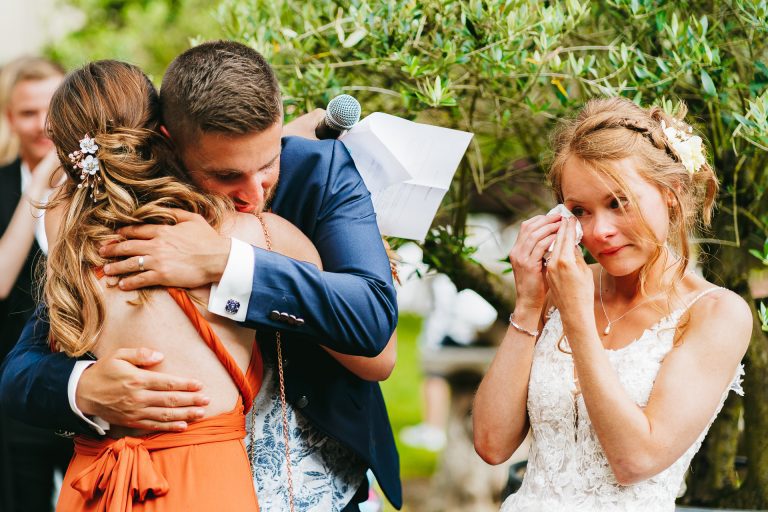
11, 73
619, 174
26, 86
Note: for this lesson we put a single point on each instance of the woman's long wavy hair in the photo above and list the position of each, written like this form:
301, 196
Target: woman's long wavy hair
116, 104
611, 129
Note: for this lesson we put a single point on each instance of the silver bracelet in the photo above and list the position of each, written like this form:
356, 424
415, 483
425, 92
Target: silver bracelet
522, 329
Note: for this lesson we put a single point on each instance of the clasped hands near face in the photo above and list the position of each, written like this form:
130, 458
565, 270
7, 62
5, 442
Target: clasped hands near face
570, 281
565, 279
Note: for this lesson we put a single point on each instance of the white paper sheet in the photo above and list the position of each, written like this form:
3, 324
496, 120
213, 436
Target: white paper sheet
407, 167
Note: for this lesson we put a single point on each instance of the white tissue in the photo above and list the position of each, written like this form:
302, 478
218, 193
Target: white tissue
565, 213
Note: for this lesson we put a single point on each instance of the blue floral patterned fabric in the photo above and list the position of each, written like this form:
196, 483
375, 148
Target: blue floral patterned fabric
326, 474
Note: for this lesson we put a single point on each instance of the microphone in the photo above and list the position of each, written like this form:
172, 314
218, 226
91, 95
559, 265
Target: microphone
342, 113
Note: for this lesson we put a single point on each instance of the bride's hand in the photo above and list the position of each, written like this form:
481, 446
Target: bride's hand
570, 281
536, 235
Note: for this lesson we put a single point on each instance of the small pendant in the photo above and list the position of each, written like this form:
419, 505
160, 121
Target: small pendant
607, 329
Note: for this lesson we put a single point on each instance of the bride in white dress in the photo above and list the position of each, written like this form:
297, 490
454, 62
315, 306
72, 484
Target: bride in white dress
619, 368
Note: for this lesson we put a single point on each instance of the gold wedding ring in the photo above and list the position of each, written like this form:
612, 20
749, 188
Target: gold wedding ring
141, 263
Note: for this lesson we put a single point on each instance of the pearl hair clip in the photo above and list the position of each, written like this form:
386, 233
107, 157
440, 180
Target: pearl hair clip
88, 163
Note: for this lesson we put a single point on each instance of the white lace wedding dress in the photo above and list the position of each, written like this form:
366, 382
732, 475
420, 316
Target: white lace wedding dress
567, 469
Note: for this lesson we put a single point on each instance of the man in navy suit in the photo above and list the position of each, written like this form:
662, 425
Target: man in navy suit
222, 109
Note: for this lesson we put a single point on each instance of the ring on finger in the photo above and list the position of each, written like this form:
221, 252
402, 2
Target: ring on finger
141, 263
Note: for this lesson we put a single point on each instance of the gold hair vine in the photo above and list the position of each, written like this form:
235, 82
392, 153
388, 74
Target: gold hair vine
85, 159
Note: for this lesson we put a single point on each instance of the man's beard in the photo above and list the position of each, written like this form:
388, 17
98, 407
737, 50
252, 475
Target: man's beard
245, 207
270, 196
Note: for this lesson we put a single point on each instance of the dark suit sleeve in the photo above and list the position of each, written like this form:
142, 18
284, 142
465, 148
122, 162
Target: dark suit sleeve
349, 307
33, 380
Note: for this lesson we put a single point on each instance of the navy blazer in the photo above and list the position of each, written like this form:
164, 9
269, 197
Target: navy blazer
351, 308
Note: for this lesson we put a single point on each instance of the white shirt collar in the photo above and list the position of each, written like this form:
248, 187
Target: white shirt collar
26, 176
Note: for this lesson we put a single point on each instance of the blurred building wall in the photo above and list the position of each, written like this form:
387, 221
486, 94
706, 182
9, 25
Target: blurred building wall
26, 26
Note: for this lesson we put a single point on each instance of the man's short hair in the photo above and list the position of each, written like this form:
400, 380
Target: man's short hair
19, 70
222, 87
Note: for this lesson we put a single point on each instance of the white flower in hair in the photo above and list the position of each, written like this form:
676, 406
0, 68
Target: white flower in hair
688, 147
90, 165
88, 145
691, 153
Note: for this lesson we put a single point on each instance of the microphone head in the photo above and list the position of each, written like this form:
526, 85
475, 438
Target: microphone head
343, 112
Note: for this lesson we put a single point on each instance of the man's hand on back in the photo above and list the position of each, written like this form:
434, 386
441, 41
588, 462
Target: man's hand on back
186, 255
118, 390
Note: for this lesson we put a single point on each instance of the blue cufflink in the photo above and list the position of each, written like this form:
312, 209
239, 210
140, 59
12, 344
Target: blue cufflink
232, 307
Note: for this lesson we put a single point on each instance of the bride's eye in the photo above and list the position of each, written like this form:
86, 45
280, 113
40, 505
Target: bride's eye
618, 202
577, 211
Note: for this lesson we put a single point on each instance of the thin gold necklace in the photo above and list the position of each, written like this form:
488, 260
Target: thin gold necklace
283, 401
607, 329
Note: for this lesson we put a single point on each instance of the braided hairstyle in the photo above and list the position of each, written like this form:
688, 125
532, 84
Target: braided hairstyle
612, 129
115, 104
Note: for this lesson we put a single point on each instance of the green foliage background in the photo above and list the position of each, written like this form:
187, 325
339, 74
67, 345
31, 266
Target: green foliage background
148, 33
507, 70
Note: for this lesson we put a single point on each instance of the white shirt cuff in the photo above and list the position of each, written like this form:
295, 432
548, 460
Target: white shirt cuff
96, 423
230, 297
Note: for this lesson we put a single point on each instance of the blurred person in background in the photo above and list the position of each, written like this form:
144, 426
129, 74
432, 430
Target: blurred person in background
28, 456
452, 319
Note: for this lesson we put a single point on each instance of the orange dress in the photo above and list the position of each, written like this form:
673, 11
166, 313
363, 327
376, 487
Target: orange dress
201, 469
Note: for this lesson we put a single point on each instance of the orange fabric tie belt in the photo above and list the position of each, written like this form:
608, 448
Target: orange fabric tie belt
123, 470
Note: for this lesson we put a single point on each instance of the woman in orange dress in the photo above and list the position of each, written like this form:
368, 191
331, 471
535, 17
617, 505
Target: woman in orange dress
104, 122
172, 471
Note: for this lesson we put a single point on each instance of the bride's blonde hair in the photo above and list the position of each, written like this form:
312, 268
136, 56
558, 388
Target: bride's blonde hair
115, 104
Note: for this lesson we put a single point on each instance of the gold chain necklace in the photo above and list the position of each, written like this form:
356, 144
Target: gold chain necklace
283, 401
607, 329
